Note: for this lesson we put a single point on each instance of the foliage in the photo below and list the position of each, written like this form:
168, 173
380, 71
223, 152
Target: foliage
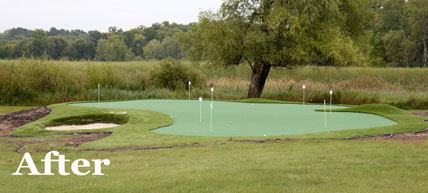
169, 48
81, 50
153, 50
60, 44
175, 75
401, 26
265, 33
113, 49
368, 32
279, 33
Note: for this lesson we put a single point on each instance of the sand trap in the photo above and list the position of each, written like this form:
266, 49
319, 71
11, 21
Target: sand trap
82, 127
119, 113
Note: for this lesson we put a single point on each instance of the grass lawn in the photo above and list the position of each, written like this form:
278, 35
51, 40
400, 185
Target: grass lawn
8, 109
294, 166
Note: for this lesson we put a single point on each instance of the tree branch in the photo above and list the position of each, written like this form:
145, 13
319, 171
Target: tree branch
251, 65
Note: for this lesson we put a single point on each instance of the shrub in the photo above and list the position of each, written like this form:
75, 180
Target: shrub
175, 75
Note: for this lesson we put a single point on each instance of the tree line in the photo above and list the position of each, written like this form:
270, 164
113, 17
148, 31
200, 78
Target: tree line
155, 42
318, 32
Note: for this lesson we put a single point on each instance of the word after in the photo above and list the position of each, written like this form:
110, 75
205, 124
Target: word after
79, 167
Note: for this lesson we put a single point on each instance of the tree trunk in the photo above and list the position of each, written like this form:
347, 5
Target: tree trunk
258, 80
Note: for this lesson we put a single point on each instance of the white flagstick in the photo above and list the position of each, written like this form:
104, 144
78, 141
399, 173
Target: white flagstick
331, 98
212, 94
200, 109
325, 116
190, 83
98, 93
304, 87
211, 119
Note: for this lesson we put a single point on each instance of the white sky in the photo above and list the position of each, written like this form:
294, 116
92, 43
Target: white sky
99, 14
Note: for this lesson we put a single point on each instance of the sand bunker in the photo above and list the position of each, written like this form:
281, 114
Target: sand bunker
82, 127
119, 113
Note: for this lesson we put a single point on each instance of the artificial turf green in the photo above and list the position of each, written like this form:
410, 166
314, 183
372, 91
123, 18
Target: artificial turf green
137, 131
248, 119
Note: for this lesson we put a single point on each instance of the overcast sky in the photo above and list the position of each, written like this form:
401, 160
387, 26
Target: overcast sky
99, 14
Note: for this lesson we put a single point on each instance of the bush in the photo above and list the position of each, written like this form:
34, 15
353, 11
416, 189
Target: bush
175, 75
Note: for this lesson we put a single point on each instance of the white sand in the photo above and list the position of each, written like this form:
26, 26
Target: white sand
82, 127
119, 113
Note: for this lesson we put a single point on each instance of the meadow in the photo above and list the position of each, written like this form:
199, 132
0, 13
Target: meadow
43, 82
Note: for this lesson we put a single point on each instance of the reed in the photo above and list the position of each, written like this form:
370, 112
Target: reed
42, 82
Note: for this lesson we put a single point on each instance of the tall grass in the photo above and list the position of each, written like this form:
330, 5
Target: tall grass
44, 82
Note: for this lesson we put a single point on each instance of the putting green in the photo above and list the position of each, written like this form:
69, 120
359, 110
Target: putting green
247, 119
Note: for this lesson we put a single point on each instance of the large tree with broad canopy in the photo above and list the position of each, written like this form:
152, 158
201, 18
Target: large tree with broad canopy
283, 33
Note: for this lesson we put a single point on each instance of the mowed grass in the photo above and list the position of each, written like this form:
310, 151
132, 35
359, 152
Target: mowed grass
8, 109
296, 166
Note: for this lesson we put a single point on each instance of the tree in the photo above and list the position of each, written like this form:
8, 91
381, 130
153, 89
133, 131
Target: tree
266, 33
80, 50
38, 43
170, 48
55, 47
15, 33
3, 52
190, 42
18, 48
94, 36
135, 40
418, 13
113, 49
392, 30
81, 45
396, 48
153, 50
138, 45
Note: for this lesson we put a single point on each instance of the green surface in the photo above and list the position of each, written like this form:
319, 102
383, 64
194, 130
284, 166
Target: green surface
137, 131
248, 119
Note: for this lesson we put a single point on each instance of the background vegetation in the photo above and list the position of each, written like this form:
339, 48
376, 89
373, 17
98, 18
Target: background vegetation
155, 42
368, 33
45, 82
365, 32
